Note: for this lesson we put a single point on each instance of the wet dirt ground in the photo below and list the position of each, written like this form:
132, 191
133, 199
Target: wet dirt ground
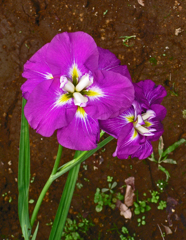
158, 52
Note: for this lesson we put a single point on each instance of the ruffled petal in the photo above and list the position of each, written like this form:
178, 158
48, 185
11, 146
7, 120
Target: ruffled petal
159, 110
35, 71
81, 134
48, 109
144, 151
109, 62
128, 142
155, 124
113, 126
116, 94
148, 93
67, 49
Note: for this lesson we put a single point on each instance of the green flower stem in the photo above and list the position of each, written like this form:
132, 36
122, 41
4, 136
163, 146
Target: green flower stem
58, 158
47, 185
82, 157
63, 169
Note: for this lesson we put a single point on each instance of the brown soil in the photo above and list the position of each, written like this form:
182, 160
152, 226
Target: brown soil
157, 53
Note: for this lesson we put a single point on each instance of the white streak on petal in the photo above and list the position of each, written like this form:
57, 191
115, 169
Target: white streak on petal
79, 99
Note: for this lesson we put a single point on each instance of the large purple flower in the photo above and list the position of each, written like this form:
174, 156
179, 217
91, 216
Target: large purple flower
139, 125
71, 84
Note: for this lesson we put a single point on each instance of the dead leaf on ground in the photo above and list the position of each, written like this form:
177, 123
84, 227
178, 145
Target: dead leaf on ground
141, 2
129, 194
167, 229
124, 210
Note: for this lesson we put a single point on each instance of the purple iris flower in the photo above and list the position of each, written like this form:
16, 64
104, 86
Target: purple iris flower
139, 125
71, 84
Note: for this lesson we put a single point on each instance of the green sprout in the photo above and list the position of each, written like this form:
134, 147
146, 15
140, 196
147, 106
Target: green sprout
126, 39
155, 197
79, 185
162, 205
126, 235
141, 221
163, 155
141, 207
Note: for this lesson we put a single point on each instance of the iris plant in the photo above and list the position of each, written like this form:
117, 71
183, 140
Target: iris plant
77, 88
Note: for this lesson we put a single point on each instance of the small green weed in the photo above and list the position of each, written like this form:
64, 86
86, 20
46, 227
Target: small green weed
125, 235
161, 184
155, 197
141, 207
141, 221
163, 155
162, 205
126, 40
79, 185
101, 198
73, 228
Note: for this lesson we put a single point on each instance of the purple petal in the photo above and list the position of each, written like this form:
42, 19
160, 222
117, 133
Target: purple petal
148, 93
117, 95
107, 60
81, 134
42, 111
66, 49
113, 126
144, 151
156, 124
36, 70
128, 142
159, 110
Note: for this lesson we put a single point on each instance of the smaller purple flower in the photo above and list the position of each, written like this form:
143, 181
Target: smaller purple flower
139, 125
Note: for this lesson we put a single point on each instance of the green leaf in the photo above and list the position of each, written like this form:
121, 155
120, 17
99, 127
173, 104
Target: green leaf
173, 147
114, 185
35, 233
148, 208
82, 157
137, 211
65, 201
160, 147
24, 176
169, 160
99, 208
152, 158
165, 171
104, 190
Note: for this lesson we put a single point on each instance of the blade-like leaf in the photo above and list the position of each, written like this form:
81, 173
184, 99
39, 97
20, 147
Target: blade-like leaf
165, 171
24, 175
35, 233
82, 157
160, 147
62, 212
169, 160
173, 147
